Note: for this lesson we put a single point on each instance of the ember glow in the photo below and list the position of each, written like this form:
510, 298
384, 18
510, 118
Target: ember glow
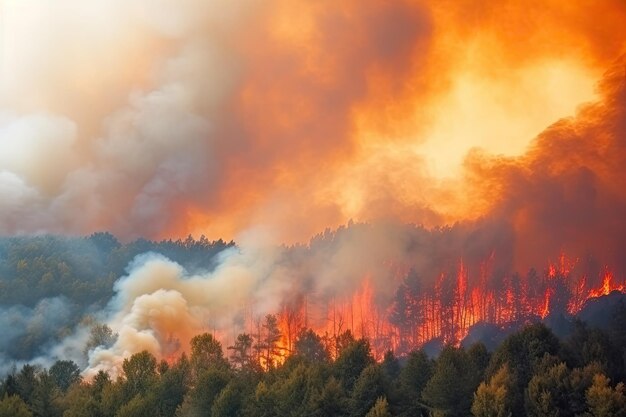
448, 310
498, 128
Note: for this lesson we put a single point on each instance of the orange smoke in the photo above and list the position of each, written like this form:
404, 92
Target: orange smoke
290, 116
498, 127
358, 124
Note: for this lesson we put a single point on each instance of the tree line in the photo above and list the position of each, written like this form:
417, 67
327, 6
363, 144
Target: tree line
531, 373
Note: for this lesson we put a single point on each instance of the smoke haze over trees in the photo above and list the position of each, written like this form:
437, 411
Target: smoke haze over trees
94, 299
418, 208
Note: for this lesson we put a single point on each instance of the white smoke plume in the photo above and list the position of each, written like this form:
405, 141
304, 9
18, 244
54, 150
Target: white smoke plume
159, 306
165, 117
81, 126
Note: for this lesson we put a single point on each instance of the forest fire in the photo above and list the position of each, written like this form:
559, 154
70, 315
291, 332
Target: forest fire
448, 310
447, 148
307, 208
607, 287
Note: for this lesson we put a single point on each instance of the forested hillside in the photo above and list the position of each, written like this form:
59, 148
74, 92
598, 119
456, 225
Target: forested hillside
49, 283
52, 286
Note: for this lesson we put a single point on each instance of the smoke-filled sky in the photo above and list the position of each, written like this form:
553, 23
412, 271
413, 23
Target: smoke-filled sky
161, 118
268, 121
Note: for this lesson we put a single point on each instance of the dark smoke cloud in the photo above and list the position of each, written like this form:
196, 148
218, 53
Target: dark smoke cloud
565, 194
29, 333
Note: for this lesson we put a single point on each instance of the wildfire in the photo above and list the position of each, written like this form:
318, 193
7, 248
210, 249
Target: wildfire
607, 286
448, 309
546, 304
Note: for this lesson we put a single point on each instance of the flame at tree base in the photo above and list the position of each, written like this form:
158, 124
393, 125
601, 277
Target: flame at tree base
447, 311
395, 307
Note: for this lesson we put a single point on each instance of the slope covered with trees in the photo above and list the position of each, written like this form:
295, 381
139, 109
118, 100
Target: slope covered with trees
49, 283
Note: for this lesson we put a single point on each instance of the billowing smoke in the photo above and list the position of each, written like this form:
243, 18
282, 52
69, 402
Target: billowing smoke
38, 329
163, 118
159, 306
564, 194
270, 121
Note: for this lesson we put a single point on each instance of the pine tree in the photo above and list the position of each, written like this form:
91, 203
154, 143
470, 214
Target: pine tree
604, 401
241, 351
380, 409
493, 399
14, 406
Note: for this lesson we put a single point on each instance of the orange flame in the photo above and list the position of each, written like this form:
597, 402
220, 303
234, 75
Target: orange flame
607, 286
447, 312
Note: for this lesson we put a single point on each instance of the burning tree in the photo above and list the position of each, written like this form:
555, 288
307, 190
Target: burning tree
241, 356
269, 346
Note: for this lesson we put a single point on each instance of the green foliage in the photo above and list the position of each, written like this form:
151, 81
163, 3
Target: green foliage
265, 401
14, 406
479, 357
604, 401
140, 373
391, 366
413, 378
380, 409
523, 352
293, 393
172, 387
230, 401
112, 398
44, 401
310, 384
452, 384
26, 382
309, 346
100, 382
64, 374
138, 406
206, 353
559, 391
201, 397
588, 345
417, 371
354, 358
370, 386
241, 356
493, 399
79, 402
330, 401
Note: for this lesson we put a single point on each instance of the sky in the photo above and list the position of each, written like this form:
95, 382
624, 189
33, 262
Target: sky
163, 118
